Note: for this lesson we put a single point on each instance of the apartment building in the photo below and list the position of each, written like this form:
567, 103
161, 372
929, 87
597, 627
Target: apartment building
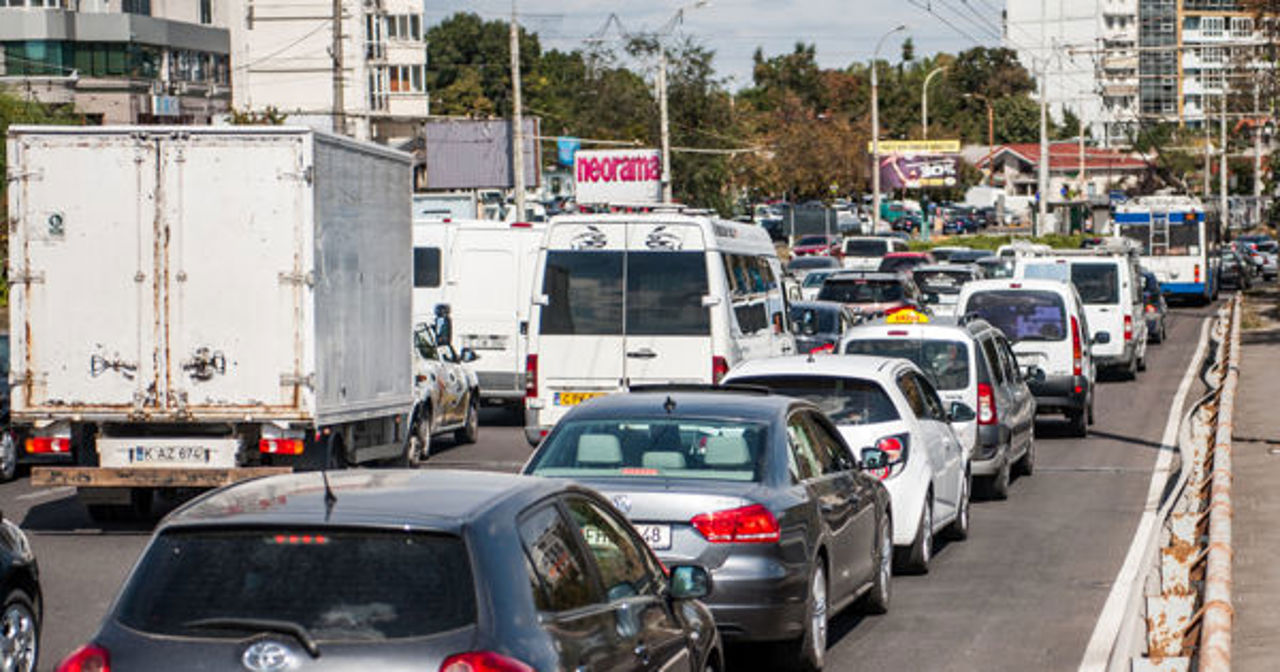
1219, 56
119, 61
286, 57
1117, 70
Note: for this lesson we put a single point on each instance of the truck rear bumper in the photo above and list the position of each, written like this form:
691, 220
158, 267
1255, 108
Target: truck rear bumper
99, 477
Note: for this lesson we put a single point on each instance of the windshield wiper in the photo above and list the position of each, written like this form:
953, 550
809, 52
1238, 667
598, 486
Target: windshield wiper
296, 630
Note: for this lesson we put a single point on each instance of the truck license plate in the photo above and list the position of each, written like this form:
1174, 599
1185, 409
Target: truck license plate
182, 454
657, 536
175, 452
575, 398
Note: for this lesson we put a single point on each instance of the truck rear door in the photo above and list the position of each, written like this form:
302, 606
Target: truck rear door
83, 270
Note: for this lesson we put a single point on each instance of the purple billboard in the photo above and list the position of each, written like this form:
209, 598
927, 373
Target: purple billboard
918, 171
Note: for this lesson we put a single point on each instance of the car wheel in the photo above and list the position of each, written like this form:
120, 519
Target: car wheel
878, 597
813, 643
470, 431
959, 528
998, 484
19, 633
419, 446
8, 457
915, 559
1027, 465
1077, 422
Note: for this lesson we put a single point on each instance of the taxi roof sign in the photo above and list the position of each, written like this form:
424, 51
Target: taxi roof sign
907, 316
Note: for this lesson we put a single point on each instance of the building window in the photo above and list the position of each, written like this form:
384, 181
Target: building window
136, 7
375, 47
1211, 54
404, 78
378, 89
1211, 26
404, 27
206, 11
1241, 27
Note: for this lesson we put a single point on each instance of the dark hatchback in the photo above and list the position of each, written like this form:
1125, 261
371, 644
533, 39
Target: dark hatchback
759, 489
403, 570
819, 325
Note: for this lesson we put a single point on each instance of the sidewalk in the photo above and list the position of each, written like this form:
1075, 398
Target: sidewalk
1256, 492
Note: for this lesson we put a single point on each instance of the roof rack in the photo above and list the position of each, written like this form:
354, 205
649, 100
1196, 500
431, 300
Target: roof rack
700, 387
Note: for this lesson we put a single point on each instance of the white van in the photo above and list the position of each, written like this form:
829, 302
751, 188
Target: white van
1046, 324
483, 270
1109, 283
625, 300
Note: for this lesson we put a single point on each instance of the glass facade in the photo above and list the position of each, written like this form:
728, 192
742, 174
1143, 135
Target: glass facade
111, 59
1157, 27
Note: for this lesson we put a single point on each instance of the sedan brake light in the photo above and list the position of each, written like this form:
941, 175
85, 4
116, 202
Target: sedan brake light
88, 658
753, 524
483, 661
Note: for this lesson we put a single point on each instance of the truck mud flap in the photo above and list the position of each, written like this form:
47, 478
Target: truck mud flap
98, 477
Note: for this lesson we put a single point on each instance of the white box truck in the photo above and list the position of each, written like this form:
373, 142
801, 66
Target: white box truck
194, 306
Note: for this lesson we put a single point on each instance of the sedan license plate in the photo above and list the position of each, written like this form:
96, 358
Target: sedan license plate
657, 536
169, 454
575, 398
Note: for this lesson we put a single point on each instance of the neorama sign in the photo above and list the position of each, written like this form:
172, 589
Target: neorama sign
618, 176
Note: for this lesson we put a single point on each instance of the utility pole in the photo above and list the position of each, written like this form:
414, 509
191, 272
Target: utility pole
339, 102
1222, 163
1042, 187
924, 101
875, 130
517, 118
1081, 176
1257, 154
1208, 152
664, 123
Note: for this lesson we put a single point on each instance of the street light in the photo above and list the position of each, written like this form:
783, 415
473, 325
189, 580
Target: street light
875, 130
924, 101
991, 131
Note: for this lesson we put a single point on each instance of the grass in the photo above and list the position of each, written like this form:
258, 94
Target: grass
988, 242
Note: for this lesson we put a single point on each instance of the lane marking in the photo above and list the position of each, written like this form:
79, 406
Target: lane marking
45, 494
1105, 633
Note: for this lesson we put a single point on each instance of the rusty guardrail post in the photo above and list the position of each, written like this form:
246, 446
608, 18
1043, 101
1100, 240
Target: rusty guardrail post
1215, 635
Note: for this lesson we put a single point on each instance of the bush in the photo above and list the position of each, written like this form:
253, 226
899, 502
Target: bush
993, 242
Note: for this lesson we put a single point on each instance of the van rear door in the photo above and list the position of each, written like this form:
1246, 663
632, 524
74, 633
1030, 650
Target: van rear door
1098, 283
668, 330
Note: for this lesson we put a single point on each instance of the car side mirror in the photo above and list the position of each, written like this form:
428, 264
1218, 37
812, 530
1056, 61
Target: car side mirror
468, 355
960, 412
1035, 374
690, 582
874, 458
1101, 338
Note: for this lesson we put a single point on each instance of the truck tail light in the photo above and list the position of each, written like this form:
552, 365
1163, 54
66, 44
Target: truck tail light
1128, 328
752, 524
88, 658
483, 661
1077, 348
280, 446
719, 369
531, 377
46, 445
986, 405
1197, 273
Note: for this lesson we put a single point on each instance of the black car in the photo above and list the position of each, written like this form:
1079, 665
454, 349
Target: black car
403, 570
761, 489
20, 617
819, 325
1154, 307
8, 443
1235, 271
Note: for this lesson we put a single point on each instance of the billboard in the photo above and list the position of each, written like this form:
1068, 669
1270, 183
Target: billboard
618, 176
917, 147
920, 171
476, 154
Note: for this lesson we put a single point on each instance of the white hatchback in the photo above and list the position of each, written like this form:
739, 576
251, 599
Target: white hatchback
889, 404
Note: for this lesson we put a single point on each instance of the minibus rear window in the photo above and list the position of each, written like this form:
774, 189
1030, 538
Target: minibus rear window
1097, 283
584, 294
663, 296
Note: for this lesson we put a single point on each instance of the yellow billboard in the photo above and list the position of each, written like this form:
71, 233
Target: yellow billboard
917, 147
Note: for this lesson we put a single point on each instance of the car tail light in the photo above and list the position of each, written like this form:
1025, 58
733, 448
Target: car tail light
483, 661
521, 225
1151, 308
752, 524
1077, 348
88, 658
531, 377
986, 405
824, 349
719, 369
280, 446
1197, 273
48, 444
1128, 328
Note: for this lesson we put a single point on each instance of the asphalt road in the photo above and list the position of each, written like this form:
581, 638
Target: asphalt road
1022, 593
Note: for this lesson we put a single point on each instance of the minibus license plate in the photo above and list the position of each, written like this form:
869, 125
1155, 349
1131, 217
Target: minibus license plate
575, 398
657, 536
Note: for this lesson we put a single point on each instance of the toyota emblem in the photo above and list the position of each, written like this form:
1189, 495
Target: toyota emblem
267, 656
623, 503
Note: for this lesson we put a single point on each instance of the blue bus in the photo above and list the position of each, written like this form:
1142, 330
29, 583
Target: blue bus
1179, 241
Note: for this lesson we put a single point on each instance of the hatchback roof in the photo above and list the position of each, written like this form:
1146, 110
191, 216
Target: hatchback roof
865, 366
685, 401
865, 275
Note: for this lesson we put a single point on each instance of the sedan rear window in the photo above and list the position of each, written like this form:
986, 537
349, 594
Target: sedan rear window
335, 585
1023, 315
654, 448
847, 401
946, 361
942, 282
862, 291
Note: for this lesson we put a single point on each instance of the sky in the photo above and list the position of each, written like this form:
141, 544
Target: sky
844, 31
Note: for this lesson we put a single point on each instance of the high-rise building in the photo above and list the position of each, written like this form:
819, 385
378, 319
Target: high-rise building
1219, 55
119, 61
286, 57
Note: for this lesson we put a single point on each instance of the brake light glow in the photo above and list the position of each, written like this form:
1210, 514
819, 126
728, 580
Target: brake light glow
483, 661
986, 405
521, 225
1077, 348
1197, 273
531, 377
88, 658
280, 446
719, 369
1128, 328
823, 349
48, 445
299, 540
1151, 308
752, 524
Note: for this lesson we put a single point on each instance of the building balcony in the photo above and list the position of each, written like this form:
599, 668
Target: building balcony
1120, 63
1120, 89
20, 25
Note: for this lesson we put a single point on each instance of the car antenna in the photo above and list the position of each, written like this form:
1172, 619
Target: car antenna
330, 499
669, 405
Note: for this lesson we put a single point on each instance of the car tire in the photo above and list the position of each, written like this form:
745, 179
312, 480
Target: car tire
20, 631
997, 485
809, 653
1027, 465
915, 558
1078, 423
958, 530
470, 431
881, 589
418, 448
8, 457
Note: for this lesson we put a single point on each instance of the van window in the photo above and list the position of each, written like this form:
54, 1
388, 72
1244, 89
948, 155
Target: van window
1098, 283
426, 267
1023, 315
994, 365
584, 294
750, 279
663, 295
946, 361
865, 248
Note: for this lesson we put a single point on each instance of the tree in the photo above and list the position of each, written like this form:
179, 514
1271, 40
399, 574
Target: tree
471, 64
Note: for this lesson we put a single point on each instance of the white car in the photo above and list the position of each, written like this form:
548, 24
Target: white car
447, 392
812, 283
889, 404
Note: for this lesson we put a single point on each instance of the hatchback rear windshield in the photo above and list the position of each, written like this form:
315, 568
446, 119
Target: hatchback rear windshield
816, 278
806, 263
808, 320
1097, 283
654, 448
866, 248
892, 264
946, 361
942, 282
847, 401
1023, 315
663, 294
862, 291
813, 241
337, 585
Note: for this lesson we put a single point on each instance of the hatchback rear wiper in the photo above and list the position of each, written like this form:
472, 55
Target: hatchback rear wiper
296, 630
